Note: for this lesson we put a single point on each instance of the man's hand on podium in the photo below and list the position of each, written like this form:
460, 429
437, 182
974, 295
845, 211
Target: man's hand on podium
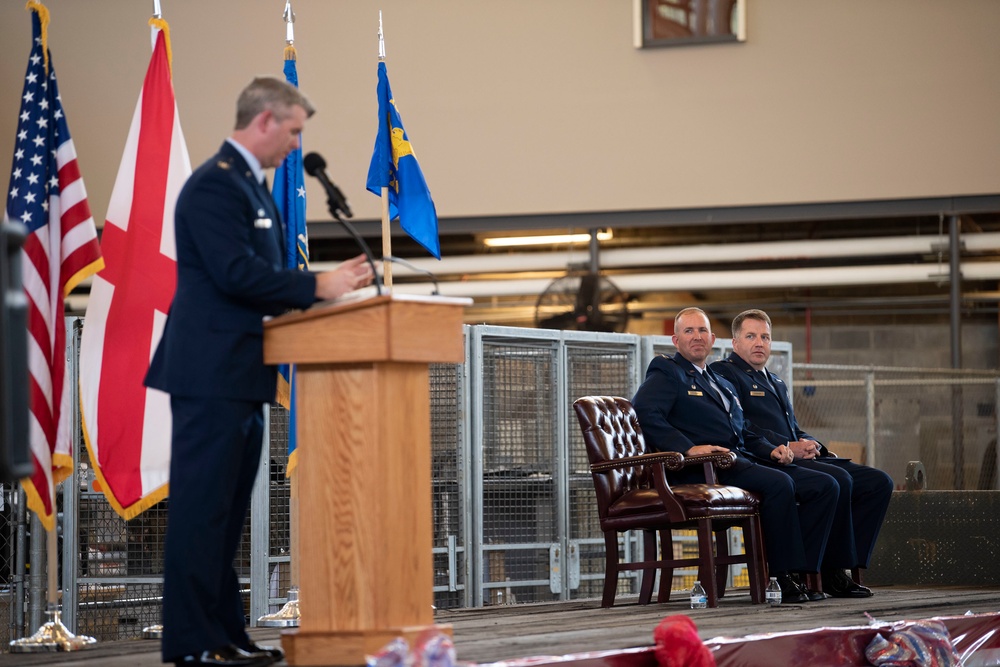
349, 276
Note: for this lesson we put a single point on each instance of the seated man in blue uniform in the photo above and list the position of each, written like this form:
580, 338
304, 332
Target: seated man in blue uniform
684, 407
230, 275
864, 491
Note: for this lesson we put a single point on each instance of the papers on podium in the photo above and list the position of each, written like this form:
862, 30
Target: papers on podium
370, 292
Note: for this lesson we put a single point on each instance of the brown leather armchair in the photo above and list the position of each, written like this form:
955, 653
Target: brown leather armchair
633, 494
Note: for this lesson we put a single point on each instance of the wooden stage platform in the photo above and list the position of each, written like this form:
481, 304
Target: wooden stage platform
494, 634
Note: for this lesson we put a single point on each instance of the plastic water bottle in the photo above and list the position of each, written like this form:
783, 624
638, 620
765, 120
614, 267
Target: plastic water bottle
699, 599
773, 593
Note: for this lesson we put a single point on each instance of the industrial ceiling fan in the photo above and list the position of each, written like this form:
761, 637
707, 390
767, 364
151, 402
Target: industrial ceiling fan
583, 300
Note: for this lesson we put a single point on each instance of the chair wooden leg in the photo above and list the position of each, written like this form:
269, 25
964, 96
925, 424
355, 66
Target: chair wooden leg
610, 568
649, 573
856, 575
706, 562
753, 543
666, 573
814, 582
721, 550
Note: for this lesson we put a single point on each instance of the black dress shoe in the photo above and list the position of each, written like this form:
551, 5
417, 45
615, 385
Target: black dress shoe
813, 596
839, 585
791, 590
277, 655
227, 656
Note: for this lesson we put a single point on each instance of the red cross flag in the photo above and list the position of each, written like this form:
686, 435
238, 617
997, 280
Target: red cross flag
126, 425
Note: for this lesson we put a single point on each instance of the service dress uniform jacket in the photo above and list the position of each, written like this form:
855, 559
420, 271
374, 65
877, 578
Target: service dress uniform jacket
230, 275
864, 491
678, 407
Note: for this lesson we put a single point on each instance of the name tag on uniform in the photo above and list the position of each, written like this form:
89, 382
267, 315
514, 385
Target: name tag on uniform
757, 393
695, 393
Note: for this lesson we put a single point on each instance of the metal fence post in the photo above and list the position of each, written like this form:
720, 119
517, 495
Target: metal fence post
36, 576
20, 560
468, 504
562, 466
475, 541
71, 490
260, 537
996, 438
870, 417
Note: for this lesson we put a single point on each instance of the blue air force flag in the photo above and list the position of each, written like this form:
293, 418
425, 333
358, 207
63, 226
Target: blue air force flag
395, 166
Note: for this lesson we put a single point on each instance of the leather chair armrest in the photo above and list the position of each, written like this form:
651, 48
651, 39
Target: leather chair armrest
711, 462
670, 460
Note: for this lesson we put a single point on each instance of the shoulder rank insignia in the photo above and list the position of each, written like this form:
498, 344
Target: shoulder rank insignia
222, 164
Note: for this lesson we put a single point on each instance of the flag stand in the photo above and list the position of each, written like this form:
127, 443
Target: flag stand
152, 632
53, 635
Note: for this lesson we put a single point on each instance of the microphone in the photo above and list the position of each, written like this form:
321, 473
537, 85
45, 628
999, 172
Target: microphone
315, 166
414, 267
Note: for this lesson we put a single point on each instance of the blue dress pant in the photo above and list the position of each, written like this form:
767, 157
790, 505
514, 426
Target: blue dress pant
796, 510
864, 499
820, 502
215, 451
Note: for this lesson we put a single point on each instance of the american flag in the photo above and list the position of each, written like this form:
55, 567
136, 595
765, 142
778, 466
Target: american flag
46, 193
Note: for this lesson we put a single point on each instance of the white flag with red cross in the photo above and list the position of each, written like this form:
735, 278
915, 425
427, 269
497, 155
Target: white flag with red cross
127, 426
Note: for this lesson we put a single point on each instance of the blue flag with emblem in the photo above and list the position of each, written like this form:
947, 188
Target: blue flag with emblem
394, 166
289, 194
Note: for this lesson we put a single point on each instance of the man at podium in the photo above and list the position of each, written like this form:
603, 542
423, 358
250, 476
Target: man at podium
230, 275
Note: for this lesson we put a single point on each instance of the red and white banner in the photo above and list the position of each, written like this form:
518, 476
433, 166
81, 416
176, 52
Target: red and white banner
127, 426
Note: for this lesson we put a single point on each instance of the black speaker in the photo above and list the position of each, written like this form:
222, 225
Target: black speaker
15, 452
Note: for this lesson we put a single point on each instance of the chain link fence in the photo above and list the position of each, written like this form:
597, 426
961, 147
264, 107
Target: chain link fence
889, 417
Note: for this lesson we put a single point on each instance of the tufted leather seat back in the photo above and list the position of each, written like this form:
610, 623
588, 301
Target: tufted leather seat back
611, 431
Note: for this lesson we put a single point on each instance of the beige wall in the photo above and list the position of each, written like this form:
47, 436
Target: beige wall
528, 106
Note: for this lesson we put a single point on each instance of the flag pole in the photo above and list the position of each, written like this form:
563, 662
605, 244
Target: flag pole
386, 228
290, 611
156, 23
52, 635
289, 616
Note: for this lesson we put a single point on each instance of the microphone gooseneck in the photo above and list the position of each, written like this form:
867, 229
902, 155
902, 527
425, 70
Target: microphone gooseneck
315, 166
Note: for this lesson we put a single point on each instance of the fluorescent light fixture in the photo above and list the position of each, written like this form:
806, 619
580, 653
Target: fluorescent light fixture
548, 239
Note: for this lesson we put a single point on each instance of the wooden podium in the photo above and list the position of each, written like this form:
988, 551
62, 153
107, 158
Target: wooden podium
363, 401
